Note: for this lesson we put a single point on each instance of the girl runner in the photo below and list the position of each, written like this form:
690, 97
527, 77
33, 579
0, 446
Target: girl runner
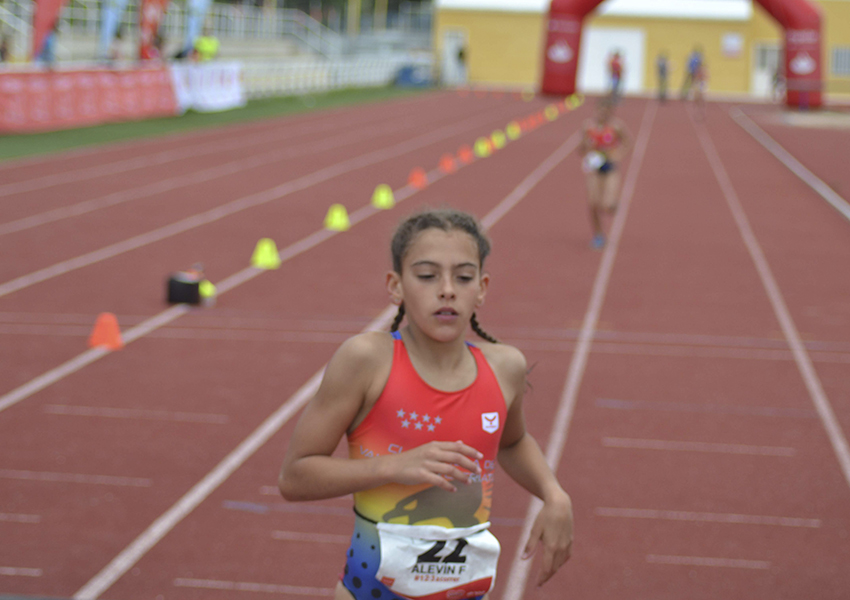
602, 148
426, 415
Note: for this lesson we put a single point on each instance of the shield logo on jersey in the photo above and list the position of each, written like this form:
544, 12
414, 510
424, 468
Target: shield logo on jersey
490, 422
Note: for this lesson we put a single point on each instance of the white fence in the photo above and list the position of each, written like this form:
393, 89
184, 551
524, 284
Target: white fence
264, 79
409, 28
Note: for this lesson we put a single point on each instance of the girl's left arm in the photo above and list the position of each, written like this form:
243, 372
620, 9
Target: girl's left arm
521, 458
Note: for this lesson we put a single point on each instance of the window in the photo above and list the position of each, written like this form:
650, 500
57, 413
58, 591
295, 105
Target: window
841, 60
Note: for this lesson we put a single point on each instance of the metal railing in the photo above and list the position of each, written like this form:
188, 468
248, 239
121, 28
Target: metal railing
408, 28
264, 79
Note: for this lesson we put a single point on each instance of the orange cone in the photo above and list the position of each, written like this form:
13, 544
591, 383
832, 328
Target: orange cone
106, 333
418, 178
447, 163
465, 154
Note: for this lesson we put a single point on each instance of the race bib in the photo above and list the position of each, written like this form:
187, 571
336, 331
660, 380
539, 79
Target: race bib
592, 161
426, 562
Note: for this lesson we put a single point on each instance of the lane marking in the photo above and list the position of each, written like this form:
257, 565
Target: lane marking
88, 357
19, 518
307, 331
203, 148
245, 202
75, 478
262, 508
733, 409
160, 186
320, 538
195, 138
702, 561
20, 572
703, 517
246, 586
135, 413
678, 446
677, 351
125, 560
780, 309
793, 165
75, 364
518, 575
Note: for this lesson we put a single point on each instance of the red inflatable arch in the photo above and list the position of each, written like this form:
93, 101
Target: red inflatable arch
800, 19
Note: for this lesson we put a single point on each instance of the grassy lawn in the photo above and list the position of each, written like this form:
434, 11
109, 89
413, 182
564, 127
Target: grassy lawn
16, 146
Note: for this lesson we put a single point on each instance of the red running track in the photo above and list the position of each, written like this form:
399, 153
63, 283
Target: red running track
697, 459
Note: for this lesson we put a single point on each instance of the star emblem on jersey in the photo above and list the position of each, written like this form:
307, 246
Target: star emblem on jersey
413, 420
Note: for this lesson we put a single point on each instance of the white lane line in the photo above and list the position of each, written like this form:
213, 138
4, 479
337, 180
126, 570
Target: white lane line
201, 490
160, 186
158, 158
75, 364
20, 572
703, 517
793, 165
200, 145
678, 446
19, 518
702, 561
518, 575
321, 538
51, 477
235, 206
86, 358
783, 315
247, 586
687, 406
135, 413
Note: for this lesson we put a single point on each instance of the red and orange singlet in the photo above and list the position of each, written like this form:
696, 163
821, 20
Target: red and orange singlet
410, 413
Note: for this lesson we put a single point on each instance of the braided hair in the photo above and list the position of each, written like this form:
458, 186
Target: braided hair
447, 220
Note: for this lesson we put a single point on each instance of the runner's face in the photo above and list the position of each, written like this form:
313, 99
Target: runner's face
441, 283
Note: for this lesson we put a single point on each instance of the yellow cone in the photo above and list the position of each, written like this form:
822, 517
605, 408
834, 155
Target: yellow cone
513, 130
265, 255
383, 197
482, 147
337, 218
206, 289
551, 112
498, 139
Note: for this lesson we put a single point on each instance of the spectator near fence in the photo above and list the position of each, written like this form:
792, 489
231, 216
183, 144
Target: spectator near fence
206, 46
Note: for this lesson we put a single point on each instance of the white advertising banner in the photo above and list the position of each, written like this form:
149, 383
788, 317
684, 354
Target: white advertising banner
208, 86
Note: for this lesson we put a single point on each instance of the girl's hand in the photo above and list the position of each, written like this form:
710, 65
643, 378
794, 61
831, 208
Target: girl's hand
553, 527
435, 463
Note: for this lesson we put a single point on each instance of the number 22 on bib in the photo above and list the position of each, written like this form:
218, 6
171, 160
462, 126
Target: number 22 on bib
425, 562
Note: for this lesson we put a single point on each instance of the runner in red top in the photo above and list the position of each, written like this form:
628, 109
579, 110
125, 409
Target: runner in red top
603, 146
426, 415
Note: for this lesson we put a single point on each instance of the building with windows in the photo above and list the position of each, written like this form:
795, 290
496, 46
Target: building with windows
740, 42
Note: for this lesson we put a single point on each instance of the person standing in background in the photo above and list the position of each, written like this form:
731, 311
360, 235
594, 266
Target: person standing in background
662, 66
615, 70
692, 66
4, 48
206, 46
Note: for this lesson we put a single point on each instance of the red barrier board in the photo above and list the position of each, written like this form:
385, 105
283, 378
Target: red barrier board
48, 100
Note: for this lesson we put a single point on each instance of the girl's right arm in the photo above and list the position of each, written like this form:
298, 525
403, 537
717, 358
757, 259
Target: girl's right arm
353, 379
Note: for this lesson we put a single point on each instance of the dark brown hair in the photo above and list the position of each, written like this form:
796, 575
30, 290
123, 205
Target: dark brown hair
447, 220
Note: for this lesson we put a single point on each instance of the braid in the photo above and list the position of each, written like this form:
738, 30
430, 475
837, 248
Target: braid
473, 321
398, 317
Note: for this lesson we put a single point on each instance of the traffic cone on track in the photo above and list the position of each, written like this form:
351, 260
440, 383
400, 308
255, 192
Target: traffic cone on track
106, 333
